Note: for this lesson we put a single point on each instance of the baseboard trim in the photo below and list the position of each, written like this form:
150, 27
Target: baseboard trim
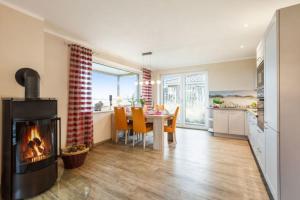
102, 142
240, 137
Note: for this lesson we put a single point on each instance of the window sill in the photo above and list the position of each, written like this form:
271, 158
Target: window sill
103, 111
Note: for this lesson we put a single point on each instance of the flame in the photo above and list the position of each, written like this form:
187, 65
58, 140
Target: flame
34, 133
35, 147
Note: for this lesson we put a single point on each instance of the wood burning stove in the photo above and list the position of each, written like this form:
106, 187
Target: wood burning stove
29, 146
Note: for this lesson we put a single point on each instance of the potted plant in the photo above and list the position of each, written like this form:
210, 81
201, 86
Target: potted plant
132, 101
142, 102
217, 102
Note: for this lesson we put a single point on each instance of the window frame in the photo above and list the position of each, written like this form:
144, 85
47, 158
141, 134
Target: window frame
131, 72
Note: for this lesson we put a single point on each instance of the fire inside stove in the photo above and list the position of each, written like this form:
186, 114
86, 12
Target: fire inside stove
35, 146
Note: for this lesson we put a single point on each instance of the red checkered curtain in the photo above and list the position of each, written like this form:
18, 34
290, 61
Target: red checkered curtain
80, 112
147, 87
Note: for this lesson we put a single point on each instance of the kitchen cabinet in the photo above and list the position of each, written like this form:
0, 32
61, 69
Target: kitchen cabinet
246, 125
236, 122
281, 127
257, 140
261, 148
220, 121
271, 76
229, 121
271, 172
271, 101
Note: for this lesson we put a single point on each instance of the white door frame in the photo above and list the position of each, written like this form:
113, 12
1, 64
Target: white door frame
182, 99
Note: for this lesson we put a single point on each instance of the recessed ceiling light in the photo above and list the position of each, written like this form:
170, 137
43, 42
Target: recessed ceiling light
246, 25
242, 46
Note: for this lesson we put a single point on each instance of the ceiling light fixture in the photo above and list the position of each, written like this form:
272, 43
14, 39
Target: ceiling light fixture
242, 46
246, 25
145, 64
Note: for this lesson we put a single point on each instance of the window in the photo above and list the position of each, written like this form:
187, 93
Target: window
120, 84
189, 92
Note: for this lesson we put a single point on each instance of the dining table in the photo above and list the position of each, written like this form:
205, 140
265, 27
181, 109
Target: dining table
159, 119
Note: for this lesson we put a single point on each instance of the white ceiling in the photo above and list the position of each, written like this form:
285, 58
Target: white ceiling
178, 32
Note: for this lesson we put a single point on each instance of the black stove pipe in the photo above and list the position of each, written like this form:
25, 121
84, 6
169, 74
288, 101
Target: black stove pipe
30, 79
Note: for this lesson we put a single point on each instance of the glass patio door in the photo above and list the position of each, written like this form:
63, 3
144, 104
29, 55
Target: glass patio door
172, 94
189, 92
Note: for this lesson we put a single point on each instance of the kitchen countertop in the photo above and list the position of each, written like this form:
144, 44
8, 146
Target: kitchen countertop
250, 110
242, 109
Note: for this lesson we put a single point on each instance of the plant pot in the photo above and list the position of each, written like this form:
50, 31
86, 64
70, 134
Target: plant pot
74, 159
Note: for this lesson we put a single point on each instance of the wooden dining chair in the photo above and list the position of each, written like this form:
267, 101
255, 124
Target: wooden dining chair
121, 123
171, 129
139, 124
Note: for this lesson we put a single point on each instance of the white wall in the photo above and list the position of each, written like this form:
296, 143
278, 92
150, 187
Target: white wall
102, 126
23, 43
55, 82
234, 75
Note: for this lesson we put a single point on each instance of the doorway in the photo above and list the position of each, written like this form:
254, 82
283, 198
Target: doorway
188, 91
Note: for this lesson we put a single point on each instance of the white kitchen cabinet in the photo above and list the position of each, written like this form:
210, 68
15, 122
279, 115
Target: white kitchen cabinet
229, 121
251, 119
261, 149
236, 122
281, 128
271, 101
257, 140
220, 121
271, 76
246, 124
271, 174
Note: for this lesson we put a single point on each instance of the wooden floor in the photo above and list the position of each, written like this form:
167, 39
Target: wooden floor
199, 167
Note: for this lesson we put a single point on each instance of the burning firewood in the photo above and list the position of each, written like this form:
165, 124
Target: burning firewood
31, 144
37, 141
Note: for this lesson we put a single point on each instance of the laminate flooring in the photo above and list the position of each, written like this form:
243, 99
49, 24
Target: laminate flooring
200, 166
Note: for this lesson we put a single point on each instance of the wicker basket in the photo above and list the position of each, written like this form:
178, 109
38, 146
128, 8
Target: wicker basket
74, 159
